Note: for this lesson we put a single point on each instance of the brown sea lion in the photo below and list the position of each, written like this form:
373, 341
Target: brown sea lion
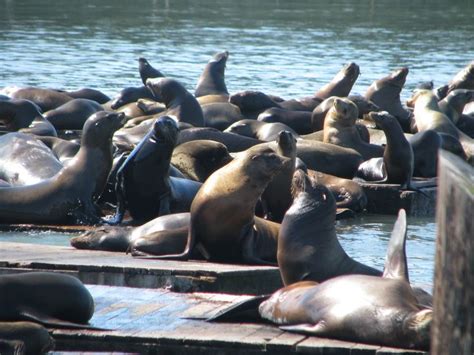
339, 129
24, 116
309, 251
212, 79
299, 121
72, 114
464, 79
46, 99
128, 95
342, 83
146, 70
34, 339
385, 93
220, 115
223, 223
89, 94
179, 102
67, 196
48, 298
252, 103
198, 159
360, 308
259, 130
425, 146
453, 104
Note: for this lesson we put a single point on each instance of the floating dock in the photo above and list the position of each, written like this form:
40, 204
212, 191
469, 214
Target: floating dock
156, 321
119, 269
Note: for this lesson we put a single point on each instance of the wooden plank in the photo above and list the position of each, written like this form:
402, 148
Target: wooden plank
284, 342
397, 351
118, 269
325, 346
453, 323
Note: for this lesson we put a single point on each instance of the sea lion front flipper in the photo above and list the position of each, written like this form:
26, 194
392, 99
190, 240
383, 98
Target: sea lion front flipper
49, 321
306, 328
396, 260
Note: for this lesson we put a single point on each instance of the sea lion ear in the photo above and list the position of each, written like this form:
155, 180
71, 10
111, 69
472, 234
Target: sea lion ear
396, 259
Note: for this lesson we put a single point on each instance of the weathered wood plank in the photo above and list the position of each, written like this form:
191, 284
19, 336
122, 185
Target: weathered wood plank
118, 269
453, 324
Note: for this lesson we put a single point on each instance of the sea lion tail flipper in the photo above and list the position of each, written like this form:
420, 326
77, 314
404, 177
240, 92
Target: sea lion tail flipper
396, 260
306, 328
49, 321
243, 311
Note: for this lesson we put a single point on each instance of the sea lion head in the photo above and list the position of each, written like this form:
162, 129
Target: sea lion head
264, 161
165, 129
286, 142
101, 126
219, 61
416, 329
398, 77
383, 119
165, 89
351, 71
345, 111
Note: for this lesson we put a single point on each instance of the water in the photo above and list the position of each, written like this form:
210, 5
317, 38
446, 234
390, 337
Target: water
286, 48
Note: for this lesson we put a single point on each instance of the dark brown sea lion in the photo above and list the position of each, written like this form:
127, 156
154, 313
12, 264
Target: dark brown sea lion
25, 160
464, 79
143, 184
179, 102
198, 159
223, 223
118, 238
342, 83
34, 339
252, 103
220, 115
425, 151
129, 95
51, 299
259, 130
339, 129
212, 79
385, 93
72, 114
67, 196
46, 99
309, 251
25, 116
360, 308
88, 93
147, 71
299, 121
348, 193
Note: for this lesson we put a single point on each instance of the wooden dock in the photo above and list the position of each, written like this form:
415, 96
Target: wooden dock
155, 321
119, 269
389, 198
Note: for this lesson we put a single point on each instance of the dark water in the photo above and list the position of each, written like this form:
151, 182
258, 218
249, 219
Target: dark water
287, 48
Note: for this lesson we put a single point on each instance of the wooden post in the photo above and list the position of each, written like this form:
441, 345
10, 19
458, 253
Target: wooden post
453, 323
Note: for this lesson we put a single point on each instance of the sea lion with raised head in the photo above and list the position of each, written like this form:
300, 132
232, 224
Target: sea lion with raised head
147, 71
341, 84
453, 104
212, 79
128, 95
68, 196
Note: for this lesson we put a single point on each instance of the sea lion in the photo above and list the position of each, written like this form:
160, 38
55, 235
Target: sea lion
342, 83
143, 185
46, 99
25, 160
118, 238
385, 93
428, 115
129, 95
259, 130
339, 129
25, 116
425, 146
34, 339
220, 115
252, 103
230, 194
359, 308
309, 251
88, 93
147, 71
299, 121
347, 193
48, 298
212, 79
179, 102
62, 149
453, 104
198, 159
464, 79
67, 196
72, 114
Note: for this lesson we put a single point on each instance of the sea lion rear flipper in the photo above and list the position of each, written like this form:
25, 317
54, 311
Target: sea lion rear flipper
306, 328
49, 321
396, 260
